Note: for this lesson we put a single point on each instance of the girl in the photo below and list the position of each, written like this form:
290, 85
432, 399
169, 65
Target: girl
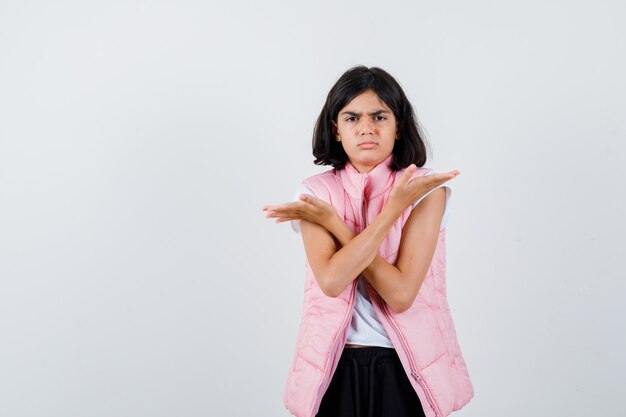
376, 336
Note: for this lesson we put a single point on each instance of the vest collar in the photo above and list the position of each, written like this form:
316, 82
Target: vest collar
367, 184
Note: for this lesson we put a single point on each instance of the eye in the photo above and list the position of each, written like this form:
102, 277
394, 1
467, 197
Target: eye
381, 117
349, 118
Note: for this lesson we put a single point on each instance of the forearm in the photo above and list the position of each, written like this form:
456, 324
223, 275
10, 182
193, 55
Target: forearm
383, 276
360, 251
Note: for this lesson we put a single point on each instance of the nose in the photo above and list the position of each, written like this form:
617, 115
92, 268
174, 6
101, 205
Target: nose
366, 127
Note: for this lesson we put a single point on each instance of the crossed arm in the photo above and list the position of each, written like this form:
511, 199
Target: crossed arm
337, 255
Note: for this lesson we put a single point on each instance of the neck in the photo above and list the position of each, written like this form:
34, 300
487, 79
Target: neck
364, 168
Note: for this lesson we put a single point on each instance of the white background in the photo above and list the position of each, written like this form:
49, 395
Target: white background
139, 140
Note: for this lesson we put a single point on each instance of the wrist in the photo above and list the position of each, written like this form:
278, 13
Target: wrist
392, 209
333, 223
341, 231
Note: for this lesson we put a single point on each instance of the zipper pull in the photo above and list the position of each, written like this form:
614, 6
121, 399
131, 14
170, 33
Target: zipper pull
418, 379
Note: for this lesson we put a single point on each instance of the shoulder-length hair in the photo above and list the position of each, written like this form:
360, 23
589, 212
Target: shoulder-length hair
411, 146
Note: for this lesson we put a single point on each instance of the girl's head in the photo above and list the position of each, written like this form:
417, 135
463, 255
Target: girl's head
367, 105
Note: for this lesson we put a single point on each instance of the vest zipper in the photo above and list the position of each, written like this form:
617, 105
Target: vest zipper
385, 310
409, 354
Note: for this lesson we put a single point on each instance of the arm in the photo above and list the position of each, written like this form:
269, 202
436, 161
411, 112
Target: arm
335, 268
398, 285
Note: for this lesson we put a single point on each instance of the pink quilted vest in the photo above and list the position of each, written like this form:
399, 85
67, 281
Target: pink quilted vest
424, 336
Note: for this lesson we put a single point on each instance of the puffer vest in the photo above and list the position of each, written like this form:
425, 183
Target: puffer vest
424, 335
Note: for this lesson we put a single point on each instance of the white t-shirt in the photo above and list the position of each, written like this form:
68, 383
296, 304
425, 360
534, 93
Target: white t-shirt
365, 327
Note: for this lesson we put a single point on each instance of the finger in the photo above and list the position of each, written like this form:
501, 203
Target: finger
435, 180
292, 206
276, 213
453, 174
408, 173
309, 199
283, 212
288, 205
286, 219
283, 205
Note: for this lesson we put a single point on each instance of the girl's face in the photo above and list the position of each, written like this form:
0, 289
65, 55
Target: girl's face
367, 129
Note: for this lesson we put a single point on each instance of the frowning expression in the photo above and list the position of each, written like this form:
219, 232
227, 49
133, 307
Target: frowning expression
367, 129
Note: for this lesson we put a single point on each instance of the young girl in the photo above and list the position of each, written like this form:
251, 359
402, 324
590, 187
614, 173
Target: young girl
376, 337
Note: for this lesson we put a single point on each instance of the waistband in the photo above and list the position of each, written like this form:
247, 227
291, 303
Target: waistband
368, 356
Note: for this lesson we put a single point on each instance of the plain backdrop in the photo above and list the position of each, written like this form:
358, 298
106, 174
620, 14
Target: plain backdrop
139, 140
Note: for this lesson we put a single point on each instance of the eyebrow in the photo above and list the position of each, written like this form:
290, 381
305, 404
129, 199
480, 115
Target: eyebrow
375, 113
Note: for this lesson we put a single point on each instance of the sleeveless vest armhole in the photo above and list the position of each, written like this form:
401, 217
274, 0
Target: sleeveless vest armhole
446, 211
302, 189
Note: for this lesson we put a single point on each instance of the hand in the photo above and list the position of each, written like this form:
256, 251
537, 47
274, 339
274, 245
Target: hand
307, 208
406, 191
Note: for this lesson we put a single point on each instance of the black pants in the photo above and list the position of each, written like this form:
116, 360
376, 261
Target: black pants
370, 382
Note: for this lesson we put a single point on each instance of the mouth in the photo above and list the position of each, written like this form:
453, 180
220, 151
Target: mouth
369, 142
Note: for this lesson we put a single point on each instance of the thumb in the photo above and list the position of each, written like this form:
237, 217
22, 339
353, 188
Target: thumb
408, 173
307, 199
